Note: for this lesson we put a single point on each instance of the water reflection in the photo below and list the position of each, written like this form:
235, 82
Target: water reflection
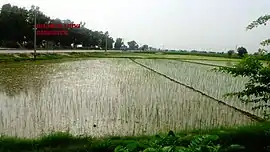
24, 77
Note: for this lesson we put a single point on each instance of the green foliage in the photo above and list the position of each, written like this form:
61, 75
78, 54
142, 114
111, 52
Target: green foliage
260, 21
222, 140
257, 89
265, 42
169, 143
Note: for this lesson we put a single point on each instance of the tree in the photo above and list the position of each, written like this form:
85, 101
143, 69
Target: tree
132, 45
13, 25
260, 21
123, 47
16, 28
257, 89
230, 53
263, 20
262, 51
118, 43
241, 51
145, 47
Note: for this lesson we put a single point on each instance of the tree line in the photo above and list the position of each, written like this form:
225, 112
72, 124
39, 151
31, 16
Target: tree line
17, 31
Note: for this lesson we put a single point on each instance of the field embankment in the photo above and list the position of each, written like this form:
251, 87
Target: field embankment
245, 139
7, 57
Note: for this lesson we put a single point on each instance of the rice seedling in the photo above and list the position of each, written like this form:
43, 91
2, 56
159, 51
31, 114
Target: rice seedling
202, 78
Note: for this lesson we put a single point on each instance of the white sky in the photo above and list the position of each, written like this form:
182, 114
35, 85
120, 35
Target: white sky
216, 25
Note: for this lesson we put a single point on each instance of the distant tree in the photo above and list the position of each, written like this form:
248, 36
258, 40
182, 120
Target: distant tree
230, 53
241, 51
123, 47
16, 28
132, 45
118, 43
145, 47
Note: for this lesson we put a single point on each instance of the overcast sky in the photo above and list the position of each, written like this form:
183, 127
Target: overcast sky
216, 25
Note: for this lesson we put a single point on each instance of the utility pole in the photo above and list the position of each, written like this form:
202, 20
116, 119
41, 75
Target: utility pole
35, 32
106, 35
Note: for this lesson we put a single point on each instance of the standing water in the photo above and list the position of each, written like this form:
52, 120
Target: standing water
101, 97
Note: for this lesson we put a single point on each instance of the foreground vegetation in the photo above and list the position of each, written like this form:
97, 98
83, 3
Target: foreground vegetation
247, 138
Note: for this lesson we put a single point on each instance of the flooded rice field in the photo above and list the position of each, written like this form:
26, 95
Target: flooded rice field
102, 97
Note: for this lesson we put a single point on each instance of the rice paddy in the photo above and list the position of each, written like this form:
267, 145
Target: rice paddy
202, 78
104, 97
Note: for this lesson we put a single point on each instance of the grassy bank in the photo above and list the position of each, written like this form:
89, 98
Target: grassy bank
247, 138
50, 56
193, 58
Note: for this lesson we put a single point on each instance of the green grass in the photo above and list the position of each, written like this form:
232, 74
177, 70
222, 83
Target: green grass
72, 55
253, 138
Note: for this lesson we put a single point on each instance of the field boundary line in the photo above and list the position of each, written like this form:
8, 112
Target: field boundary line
252, 116
207, 64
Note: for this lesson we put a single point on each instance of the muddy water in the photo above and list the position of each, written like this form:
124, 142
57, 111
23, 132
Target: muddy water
101, 97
